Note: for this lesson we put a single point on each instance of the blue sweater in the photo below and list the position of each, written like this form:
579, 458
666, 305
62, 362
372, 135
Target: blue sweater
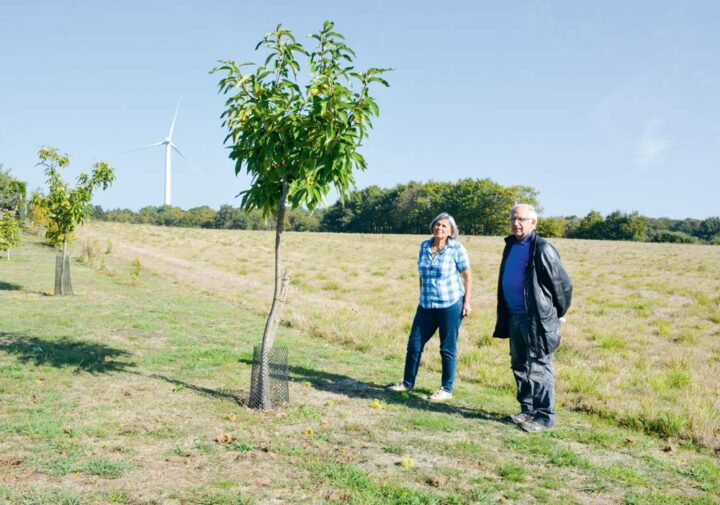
513, 281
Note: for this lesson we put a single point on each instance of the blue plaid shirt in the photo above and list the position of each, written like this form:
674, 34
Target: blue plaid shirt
440, 274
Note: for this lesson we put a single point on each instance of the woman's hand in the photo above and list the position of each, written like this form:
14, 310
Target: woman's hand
466, 309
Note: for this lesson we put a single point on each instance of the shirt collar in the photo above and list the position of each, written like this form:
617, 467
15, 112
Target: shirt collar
524, 242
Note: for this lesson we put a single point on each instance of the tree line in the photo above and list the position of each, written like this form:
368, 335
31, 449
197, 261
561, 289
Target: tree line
480, 206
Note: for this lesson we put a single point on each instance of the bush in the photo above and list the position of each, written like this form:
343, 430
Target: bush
551, 226
675, 237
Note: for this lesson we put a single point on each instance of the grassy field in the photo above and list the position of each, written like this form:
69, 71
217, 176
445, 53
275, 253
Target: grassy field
132, 390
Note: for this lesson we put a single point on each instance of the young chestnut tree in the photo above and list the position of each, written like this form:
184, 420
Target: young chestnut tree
9, 232
296, 136
67, 208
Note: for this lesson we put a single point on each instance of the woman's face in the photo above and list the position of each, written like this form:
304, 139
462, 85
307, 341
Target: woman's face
442, 229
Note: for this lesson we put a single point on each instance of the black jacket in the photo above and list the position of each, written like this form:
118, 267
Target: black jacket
548, 293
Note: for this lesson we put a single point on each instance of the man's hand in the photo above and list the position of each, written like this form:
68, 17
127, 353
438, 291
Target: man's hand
466, 309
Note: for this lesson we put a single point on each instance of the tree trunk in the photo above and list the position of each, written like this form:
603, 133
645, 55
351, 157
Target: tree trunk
63, 281
278, 304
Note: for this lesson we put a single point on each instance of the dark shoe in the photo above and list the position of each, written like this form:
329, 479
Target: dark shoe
533, 426
522, 417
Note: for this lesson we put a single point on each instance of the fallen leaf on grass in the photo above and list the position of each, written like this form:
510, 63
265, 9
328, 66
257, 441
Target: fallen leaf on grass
337, 496
225, 438
307, 384
309, 432
39, 382
33, 399
406, 463
436, 481
107, 359
12, 461
231, 417
377, 404
329, 403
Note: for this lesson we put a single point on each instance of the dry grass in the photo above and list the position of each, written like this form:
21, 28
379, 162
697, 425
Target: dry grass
127, 392
640, 343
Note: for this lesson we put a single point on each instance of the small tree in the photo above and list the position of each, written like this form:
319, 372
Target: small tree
551, 226
296, 138
13, 193
9, 232
67, 208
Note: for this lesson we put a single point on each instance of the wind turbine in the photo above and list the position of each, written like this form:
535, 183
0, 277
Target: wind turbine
169, 146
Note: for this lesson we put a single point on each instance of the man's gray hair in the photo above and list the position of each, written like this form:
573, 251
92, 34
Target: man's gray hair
454, 232
530, 210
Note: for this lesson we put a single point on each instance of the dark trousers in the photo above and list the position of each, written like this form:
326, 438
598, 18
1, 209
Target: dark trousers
425, 324
533, 375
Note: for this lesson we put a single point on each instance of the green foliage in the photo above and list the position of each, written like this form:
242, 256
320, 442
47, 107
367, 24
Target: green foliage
675, 237
67, 207
294, 139
621, 226
617, 226
136, 269
226, 218
709, 229
480, 207
591, 226
9, 231
551, 226
12, 193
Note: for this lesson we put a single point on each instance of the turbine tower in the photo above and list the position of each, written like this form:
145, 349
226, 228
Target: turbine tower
169, 146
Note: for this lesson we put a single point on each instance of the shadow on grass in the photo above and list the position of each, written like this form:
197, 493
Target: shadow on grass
9, 286
64, 352
238, 396
342, 384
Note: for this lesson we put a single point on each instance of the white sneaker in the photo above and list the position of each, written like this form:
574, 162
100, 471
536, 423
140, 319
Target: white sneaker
398, 388
440, 396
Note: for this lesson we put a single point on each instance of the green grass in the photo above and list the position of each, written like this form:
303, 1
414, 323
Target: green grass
121, 393
105, 468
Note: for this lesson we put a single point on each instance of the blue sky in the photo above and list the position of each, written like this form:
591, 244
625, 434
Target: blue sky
598, 105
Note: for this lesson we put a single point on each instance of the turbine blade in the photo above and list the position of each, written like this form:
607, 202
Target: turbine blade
183, 157
144, 147
172, 126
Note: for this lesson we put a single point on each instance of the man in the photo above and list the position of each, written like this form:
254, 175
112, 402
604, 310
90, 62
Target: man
534, 292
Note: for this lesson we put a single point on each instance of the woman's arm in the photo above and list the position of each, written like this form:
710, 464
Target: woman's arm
467, 280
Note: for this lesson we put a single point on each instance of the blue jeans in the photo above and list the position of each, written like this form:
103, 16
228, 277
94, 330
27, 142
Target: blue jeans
533, 375
425, 324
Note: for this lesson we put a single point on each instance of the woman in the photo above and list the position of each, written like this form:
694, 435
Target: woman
444, 301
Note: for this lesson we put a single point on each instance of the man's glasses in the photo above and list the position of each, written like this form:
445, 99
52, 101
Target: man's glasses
521, 219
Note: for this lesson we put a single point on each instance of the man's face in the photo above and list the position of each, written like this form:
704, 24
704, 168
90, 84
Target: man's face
520, 224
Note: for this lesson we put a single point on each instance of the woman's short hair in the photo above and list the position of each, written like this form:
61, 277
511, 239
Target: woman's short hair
454, 232
531, 212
